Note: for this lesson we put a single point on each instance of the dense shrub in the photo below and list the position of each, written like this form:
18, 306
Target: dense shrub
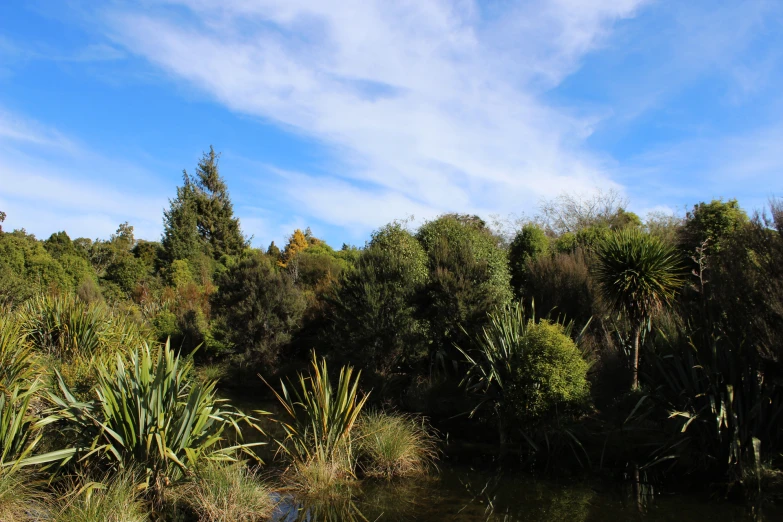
260, 306
548, 376
468, 277
561, 286
371, 315
528, 244
150, 413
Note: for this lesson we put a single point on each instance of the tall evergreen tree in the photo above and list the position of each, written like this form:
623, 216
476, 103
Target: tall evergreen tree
180, 224
201, 218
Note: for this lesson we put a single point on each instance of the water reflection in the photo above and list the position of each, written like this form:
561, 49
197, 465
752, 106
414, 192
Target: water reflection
469, 495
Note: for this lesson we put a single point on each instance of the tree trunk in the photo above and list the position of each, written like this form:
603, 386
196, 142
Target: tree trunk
637, 333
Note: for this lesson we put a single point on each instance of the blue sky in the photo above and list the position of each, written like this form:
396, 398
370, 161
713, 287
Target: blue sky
343, 115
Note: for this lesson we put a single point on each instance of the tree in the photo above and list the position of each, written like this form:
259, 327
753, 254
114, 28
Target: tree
2, 218
260, 307
200, 219
217, 225
371, 315
467, 278
528, 244
572, 213
273, 251
711, 223
289, 259
638, 275
180, 225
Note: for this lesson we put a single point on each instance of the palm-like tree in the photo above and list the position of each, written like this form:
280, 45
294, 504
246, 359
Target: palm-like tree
639, 275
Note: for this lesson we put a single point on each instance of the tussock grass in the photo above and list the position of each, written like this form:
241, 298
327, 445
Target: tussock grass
115, 498
20, 499
228, 492
395, 445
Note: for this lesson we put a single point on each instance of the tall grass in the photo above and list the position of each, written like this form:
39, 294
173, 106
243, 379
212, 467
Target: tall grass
20, 499
152, 414
116, 498
17, 361
722, 410
318, 431
224, 492
395, 445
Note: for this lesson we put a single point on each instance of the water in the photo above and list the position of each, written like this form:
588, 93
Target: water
465, 494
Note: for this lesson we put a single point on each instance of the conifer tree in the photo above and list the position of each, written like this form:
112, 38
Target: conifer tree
200, 220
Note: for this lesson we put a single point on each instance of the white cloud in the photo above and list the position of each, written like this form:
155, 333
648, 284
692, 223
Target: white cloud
427, 106
49, 182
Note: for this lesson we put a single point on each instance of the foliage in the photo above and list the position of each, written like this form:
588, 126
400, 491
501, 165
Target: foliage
260, 306
570, 213
229, 492
399, 244
27, 268
17, 361
395, 444
468, 277
200, 219
126, 272
549, 374
638, 275
371, 318
67, 327
525, 370
562, 286
744, 289
711, 222
297, 244
528, 244
150, 413
320, 421
718, 403
115, 498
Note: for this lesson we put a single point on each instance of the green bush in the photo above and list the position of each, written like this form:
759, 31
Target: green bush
548, 375
260, 307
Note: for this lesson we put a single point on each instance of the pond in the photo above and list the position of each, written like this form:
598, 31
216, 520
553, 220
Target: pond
464, 494
472, 490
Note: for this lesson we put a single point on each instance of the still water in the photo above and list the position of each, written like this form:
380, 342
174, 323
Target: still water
464, 494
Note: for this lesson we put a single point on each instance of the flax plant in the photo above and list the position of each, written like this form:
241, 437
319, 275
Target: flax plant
321, 418
151, 413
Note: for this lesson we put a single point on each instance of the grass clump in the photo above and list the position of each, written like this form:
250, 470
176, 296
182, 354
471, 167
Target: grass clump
395, 445
116, 498
229, 492
20, 499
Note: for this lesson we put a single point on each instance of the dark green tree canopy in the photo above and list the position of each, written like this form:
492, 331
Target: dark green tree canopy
528, 244
259, 306
712, 223
200, 219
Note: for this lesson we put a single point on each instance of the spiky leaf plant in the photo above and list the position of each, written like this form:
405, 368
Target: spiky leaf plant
151, 413
321, 419
639, 275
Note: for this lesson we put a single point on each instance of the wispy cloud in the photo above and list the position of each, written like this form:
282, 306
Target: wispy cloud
427, 106
50, 182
